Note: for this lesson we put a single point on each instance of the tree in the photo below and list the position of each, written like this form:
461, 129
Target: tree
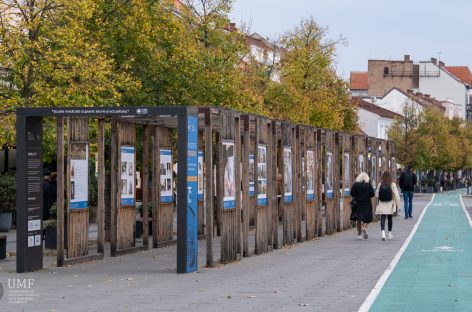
49, 57
404, 133
309, 78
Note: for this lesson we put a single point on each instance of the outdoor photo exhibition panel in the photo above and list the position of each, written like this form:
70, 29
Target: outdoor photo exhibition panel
123, 150
163, 215
263, 209
229, 186
299, 197
248, 176
77, 187
311, 194
346, 179
283, 177
373, 168
329, 163
286, 153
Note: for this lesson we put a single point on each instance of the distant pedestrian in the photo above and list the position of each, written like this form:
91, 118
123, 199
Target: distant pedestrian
362, 192
407, 185
388, 202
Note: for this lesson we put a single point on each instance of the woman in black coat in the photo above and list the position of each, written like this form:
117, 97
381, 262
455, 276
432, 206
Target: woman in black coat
362, 193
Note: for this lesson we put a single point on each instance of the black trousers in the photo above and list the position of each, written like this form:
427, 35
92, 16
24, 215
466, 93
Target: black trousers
382, 222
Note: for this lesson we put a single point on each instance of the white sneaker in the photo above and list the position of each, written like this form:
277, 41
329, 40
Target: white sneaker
364, 232
390, 236
359, 237
383, 235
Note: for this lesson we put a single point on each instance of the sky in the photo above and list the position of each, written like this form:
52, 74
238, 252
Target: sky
374, 29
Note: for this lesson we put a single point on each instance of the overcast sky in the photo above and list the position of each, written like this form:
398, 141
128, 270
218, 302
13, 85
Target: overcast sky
375, 29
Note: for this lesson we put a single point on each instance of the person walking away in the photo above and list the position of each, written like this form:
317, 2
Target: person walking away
362, 192
407, 185
388, 202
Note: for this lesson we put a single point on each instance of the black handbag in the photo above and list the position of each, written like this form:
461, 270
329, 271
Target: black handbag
353, 204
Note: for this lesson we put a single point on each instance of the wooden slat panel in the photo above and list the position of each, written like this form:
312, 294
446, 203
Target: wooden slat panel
346, 185
208, 196
60, 191
262, 216
318, 183
126, 216
231, 218
330, 202
77, 230
310, 204
272, 181
78, 233
337, 190
145, 184
288, 140
101, 186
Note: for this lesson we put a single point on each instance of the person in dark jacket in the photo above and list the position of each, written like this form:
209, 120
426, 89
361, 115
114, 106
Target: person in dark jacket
50, 195
407, 185
362, 192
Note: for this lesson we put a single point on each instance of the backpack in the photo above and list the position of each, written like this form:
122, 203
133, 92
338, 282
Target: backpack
385, 193
407, 181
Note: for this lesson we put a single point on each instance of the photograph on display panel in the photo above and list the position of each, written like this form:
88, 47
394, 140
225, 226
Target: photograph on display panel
329, 175
361, 164
78, 176
127, 175
373, 176
262, 175
288, 176
346, 174
166, 178
200, 175
252, 190
229, 175
310, 174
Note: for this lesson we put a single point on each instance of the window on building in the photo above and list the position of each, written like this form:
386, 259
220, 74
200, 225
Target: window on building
385, 70
383, 127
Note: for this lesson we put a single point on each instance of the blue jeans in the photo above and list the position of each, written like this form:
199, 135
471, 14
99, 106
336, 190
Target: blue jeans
408, 203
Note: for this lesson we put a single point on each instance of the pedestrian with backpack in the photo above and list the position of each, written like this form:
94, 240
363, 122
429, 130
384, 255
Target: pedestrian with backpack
407, 185
388, 202
362, 192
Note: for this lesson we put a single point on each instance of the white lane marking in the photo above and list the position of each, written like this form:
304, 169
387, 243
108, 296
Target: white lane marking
465, 211
437, 204
444, 249
454, 205
369, 301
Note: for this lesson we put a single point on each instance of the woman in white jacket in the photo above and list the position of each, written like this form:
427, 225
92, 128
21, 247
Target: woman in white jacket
388, 202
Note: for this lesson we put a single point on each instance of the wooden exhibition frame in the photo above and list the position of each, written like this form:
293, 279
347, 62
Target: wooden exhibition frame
227, 140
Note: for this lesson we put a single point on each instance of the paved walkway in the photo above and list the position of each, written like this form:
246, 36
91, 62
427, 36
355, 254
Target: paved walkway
435, 271
334, 273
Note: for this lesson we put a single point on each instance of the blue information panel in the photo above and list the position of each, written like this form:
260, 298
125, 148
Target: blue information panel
192, 193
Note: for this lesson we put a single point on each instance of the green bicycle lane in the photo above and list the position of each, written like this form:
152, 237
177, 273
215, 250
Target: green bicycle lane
434, 273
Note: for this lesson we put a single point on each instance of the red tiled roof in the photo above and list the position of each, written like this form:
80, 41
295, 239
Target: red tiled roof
382, 112
359, 81
461, 72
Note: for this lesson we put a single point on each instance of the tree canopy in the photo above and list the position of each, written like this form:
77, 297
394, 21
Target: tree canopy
150, 52
428, 140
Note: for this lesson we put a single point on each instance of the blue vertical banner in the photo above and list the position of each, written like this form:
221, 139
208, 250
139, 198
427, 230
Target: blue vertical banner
192, 193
